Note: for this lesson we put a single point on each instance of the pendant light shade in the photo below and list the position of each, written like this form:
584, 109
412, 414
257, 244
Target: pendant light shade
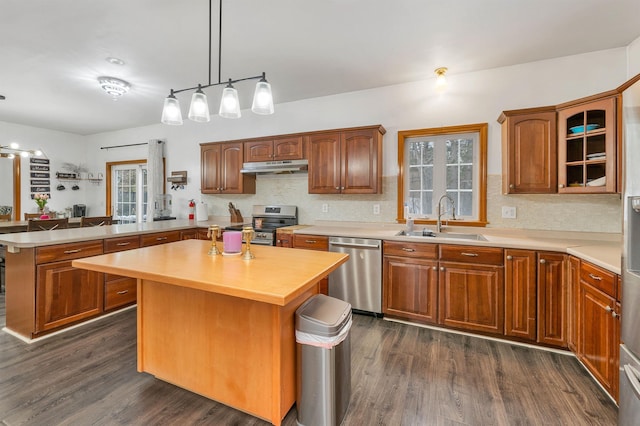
229, 105
262, 98
171, 113
199, 109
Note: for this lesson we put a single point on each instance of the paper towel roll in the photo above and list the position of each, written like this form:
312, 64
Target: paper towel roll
202, 211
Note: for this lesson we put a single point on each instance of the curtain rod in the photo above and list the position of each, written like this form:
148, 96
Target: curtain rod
131, 144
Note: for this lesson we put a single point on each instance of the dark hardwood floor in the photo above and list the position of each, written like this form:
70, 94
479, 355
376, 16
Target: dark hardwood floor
401, 375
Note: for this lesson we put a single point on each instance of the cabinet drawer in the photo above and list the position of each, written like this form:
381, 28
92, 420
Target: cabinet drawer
471, 254
420, 250
312, 242
68, 251
112, 245
599, 278
159, 238
119, 291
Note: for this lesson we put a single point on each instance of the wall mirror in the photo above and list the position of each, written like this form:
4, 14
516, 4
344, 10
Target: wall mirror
10, 184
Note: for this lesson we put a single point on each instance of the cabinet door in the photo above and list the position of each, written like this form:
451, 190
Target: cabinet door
573, 304
472, 297
314, 242
530, 154
258, 150
231, 179
520, 294
361, 154
552, 299
65, 294
210, 168
323, 151
410, 289
189, 234
284, 239
587, 147
290, 148
599, 337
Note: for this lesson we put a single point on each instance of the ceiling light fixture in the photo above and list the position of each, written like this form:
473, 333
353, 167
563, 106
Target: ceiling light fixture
441, 80
229, 104
114, 61
114, 87
13, 149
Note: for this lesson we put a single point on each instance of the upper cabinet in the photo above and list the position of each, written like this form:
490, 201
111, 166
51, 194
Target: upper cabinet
347, 161
529, 146
220, 169
283, 148
587, 147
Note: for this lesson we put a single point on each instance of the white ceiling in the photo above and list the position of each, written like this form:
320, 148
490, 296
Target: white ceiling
53, 51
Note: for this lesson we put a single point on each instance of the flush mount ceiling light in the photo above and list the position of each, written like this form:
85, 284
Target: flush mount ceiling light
114, 61
441, 80
114, 87
229, 104
13, 149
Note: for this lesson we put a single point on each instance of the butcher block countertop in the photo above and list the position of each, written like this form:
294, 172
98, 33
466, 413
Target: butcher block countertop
187, 264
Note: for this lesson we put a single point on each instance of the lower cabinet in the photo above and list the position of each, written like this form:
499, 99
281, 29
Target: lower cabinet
520, 319
66, 295
410, 281
599, 325
314, 242
552, 299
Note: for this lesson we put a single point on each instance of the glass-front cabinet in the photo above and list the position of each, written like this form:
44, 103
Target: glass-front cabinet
587, 147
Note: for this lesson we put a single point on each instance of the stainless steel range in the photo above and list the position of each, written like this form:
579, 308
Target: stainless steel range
265, 219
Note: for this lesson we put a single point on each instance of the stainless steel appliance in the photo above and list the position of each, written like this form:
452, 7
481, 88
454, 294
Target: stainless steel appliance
629, 401
265, 219
79, 210
359, 280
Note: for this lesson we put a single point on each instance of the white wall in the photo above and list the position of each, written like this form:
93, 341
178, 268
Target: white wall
469, 98
633, 58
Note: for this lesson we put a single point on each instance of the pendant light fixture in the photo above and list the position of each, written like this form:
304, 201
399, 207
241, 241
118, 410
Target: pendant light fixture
229, 103
441, 80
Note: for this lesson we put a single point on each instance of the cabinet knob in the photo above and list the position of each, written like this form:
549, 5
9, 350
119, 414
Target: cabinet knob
338, 188
511, 186
561, 186
442, 268
435, 268
543, 261
509, 257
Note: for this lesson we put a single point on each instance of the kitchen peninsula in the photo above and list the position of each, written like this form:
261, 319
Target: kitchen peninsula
221, 326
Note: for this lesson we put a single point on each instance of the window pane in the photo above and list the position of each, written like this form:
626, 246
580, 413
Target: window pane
414, 178
466, 151
452, 177
465, 204
427, 177
466, 177
427, 153
452, 151
427, 203
414, 154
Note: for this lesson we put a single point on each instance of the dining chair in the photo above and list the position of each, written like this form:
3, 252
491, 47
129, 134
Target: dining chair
47, 224
5, 217
95, 221
28, 216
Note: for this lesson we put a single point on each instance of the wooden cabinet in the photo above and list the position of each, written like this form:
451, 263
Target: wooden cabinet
599, 325
529, 146
410, 281
220, 165
189, 234
472, 293
314, 242
274, 149
573, 304
587, 147
64, 294
346, 162
520, 284
284, 238
552, 299
120, 291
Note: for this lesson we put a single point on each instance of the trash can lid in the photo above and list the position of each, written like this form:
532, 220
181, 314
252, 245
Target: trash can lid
323, 315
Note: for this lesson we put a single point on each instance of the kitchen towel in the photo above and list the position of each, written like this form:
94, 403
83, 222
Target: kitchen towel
202, 211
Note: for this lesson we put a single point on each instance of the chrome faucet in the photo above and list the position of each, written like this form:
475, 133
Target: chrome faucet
440, 212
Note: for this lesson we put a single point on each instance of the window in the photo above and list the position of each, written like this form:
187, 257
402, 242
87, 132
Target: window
127, 191
449, 161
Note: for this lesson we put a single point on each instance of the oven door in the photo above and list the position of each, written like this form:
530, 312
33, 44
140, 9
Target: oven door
264, 237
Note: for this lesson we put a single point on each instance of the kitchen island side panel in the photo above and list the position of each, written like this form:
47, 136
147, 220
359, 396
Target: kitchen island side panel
20, 299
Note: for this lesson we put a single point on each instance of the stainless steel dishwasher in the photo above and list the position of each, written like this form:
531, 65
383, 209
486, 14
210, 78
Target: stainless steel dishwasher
359, 280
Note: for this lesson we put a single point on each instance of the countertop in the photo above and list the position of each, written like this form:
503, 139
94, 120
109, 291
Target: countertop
187, 264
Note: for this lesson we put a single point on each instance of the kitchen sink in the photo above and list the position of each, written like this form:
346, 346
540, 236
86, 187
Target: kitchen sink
425, 233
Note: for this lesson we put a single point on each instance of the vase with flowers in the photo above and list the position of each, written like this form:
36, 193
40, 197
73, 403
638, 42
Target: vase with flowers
41, 201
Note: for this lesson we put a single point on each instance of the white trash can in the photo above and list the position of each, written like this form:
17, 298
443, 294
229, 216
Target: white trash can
323, 339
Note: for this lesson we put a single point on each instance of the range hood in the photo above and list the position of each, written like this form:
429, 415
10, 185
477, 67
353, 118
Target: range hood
284, 166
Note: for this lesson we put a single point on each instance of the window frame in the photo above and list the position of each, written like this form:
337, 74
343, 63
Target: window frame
482, 130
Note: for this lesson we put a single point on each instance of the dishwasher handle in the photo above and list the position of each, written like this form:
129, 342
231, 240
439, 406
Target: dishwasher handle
358, 245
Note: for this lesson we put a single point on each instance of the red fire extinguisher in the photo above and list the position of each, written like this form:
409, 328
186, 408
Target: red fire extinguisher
192, 209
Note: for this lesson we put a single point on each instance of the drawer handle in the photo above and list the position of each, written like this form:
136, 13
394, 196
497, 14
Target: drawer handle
123, 292
469, 254
310, 241
124, 244
161, 238
408, 249
595, 277
72, 251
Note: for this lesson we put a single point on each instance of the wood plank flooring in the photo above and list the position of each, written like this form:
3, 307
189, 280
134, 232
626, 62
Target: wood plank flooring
401, 375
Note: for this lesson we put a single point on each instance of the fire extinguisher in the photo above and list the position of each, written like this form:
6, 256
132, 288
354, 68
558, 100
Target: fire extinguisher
192, 209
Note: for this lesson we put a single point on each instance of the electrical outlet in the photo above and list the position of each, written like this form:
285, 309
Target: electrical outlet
325, 208
376, 209
508, 212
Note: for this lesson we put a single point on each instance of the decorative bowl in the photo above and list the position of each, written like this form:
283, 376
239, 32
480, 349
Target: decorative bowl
580, 129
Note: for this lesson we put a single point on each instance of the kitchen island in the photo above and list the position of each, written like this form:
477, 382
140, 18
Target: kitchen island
221, 326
